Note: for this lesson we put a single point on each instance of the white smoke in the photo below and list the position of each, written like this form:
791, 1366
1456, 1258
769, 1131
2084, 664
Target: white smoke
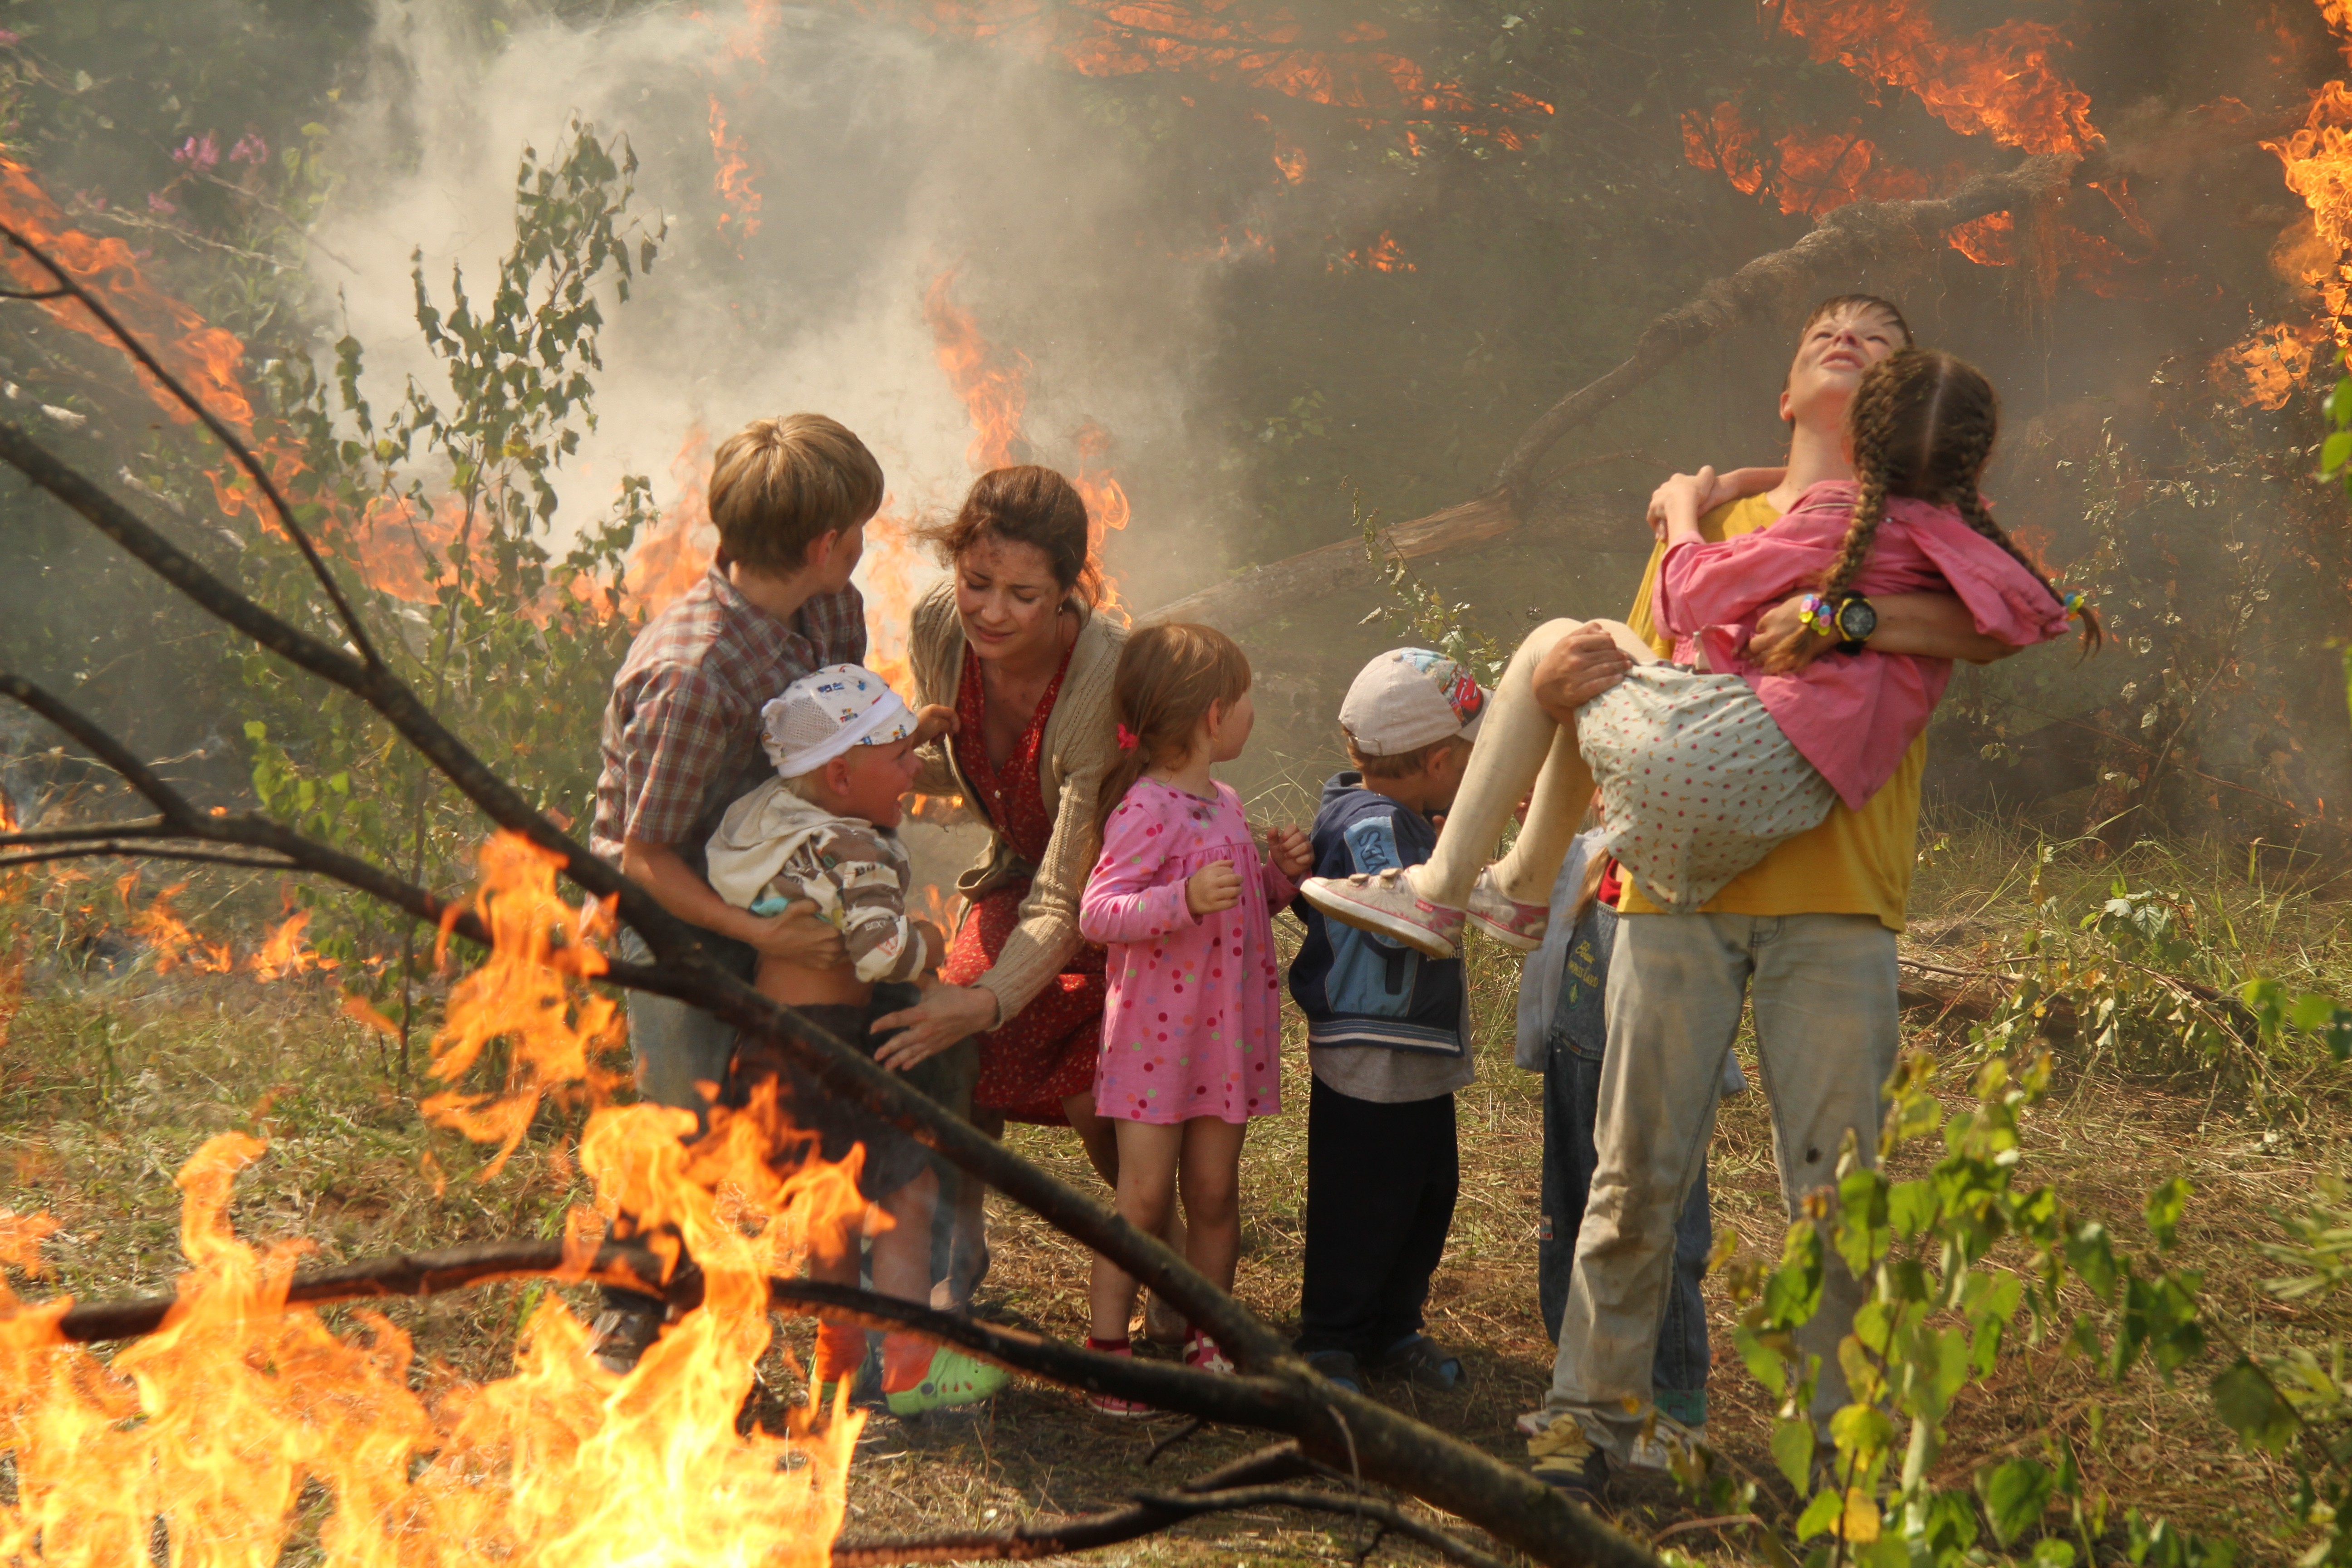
881, 158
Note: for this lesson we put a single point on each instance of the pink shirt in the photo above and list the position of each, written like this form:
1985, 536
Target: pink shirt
1852, 715
1194, 1024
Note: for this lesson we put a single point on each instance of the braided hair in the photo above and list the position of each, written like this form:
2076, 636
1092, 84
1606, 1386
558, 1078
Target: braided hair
1922, 426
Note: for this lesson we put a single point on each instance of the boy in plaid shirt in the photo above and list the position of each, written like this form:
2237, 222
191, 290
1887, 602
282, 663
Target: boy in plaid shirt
790, 498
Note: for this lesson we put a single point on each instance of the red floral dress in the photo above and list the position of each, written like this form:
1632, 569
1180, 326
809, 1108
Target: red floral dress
1045, 1052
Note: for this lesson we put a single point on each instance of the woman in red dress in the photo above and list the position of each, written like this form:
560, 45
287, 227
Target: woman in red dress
1011, 642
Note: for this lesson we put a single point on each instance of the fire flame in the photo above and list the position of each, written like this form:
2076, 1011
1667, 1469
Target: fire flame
2269, 364
674, 557
2000, 83
733, 179
995, 397
994, 394
215, 1427
1218, 41
203, 358
1383, 255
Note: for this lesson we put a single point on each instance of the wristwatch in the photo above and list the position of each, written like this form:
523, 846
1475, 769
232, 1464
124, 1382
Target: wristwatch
1855, 621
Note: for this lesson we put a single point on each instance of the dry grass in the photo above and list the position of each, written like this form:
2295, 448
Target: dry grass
106, 1085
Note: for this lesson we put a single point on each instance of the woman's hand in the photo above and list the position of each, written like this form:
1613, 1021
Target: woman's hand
1292, 854
795, 935
946, 1013
933, 719
1784, 644
1214, 889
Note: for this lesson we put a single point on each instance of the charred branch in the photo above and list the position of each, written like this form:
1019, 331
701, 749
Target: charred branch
1080, 1532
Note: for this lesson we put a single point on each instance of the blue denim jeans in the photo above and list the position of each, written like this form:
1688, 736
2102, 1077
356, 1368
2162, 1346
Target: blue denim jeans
1571, 1107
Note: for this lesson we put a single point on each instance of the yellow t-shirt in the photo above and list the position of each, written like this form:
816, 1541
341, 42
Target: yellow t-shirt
1856, 862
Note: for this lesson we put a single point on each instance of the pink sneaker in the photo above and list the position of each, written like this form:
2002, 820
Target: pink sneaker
1385, 903
1202, 1354
1507, 920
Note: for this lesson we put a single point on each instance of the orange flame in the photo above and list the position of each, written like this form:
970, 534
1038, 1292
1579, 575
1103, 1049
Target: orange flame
733, 179
282, 954
1217, 41
217, 1424
531, 991
202, 357
170, 939
673, 557
2000, 83
1383, 255
995, 398
2268, 365
994, 392
893, 571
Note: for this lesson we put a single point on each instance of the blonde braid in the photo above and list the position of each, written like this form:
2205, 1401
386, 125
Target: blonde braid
1871, 422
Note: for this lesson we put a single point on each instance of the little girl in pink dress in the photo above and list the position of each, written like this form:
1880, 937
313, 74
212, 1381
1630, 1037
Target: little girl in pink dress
1192, 1028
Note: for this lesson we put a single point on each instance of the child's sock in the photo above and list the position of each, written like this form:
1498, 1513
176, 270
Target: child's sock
840, 1352
904, 1360
1122, 1345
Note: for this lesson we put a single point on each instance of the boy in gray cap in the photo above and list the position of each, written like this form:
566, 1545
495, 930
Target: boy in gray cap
1388, 1033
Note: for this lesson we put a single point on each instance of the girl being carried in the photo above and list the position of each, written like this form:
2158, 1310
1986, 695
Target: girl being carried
1705, 763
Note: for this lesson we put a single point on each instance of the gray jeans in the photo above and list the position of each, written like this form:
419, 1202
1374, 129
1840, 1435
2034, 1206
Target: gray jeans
1827, 1028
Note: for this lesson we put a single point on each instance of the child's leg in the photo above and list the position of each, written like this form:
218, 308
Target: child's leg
902, 1268
1520, 746
902, 1252
1210, 1175
840, 1347
1147, 1155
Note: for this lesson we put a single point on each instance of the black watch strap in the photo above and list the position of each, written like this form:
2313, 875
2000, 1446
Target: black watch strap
1855, 619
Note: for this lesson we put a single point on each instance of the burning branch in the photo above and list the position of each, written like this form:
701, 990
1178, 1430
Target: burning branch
1283, 1394
1247, 1483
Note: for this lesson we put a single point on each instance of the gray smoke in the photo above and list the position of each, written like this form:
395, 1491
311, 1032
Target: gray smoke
882, 157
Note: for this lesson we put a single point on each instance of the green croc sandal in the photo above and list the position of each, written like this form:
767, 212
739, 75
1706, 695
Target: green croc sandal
953, 1378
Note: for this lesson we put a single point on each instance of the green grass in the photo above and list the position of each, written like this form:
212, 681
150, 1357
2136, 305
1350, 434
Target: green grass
108, 1084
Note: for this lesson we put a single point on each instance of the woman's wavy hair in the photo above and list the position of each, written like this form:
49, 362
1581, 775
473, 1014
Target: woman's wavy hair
1167, 678
1922, 425
1028, 505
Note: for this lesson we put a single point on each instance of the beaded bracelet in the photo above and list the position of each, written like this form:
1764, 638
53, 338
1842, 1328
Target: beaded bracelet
1819, 613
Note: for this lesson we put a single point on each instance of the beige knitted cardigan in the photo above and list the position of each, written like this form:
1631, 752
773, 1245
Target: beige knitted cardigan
1080, 742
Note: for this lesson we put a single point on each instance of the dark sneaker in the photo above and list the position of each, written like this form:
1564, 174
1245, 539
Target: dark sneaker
1340, 1367
1420, 1358
1566, 1460
619, 1335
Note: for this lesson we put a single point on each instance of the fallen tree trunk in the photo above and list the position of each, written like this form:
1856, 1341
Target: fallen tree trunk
1834, 250
1263, 592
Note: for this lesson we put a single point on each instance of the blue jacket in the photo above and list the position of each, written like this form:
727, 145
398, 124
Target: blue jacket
1357, 989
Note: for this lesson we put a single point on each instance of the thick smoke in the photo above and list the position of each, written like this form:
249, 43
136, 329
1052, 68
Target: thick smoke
881, 158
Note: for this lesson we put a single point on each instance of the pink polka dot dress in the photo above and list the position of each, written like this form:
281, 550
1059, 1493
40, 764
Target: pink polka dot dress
1194, 1026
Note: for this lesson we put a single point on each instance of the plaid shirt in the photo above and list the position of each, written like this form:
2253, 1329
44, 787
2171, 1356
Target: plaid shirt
681, 739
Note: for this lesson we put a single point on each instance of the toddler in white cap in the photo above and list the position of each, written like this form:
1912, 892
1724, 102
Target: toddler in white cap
843, 744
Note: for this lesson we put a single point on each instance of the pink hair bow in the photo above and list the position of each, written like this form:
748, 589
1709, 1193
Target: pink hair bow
1128, 738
